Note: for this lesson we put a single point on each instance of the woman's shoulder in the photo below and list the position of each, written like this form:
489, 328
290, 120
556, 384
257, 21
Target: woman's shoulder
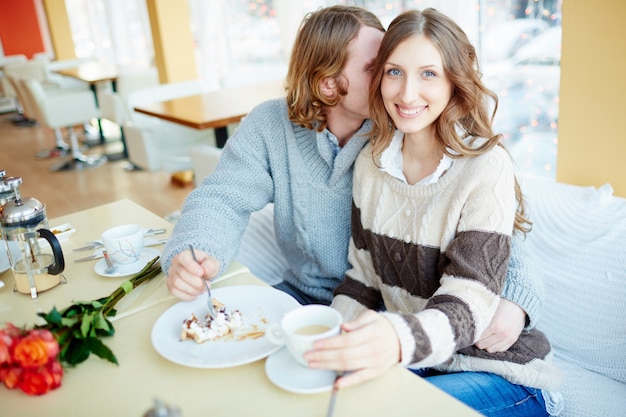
496, 157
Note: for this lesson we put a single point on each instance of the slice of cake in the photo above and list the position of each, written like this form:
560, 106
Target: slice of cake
211, 328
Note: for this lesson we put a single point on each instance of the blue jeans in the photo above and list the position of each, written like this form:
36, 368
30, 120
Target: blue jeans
489, 394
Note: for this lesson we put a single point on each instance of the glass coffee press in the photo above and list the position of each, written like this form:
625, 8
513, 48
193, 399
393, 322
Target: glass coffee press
34, 252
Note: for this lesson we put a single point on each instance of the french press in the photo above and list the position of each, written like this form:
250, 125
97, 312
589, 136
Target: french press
35, 253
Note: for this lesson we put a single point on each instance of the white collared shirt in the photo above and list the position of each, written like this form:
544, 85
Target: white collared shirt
391, 162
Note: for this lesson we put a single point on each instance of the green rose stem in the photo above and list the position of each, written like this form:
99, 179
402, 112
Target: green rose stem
79, 327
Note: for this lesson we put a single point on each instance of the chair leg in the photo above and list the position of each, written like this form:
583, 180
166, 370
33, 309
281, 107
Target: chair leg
78, 160
60, 149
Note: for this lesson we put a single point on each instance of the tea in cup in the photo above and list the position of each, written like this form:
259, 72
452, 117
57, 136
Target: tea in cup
124, 243
300, 328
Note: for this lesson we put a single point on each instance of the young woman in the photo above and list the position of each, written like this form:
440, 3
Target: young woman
435, 203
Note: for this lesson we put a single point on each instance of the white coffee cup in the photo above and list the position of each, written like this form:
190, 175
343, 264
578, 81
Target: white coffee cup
124, 243
301, 327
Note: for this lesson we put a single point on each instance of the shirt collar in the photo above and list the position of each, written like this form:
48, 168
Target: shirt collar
391, 162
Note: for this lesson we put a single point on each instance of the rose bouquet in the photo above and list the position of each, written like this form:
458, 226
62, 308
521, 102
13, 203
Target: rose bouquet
33, 360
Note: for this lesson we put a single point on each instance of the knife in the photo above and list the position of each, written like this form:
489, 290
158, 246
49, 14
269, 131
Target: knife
99, 254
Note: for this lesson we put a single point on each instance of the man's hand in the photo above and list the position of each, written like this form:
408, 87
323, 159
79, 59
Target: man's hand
504, 329
185, 277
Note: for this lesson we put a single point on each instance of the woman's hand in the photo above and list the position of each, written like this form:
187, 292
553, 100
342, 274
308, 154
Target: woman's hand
186, 275
368, 346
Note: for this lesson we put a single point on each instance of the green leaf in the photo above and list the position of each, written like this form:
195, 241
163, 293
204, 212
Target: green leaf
69, 322
101, 350
78, 351
53, 317
86, 325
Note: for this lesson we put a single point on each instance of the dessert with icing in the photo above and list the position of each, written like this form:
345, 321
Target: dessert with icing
211, 328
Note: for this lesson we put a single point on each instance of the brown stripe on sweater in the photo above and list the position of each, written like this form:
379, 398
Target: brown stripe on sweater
423, 348
480, 256
530, 345
367, 296
459, 314
399, 264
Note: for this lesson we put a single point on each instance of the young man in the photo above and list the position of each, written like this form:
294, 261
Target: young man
299, 154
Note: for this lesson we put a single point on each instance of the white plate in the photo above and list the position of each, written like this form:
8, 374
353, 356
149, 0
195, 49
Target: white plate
285, 372
258, 305
63, 231
4, 257
125, 270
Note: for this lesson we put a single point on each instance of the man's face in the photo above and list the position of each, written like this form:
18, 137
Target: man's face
357, 73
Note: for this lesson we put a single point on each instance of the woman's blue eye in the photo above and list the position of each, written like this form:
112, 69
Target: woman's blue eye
394, 71
429, 74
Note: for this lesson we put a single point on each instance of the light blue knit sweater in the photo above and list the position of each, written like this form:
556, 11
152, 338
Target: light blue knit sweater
270, 159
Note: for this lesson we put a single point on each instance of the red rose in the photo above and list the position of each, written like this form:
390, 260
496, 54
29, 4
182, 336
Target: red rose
8, 338
10, 376
36, 348
38, 381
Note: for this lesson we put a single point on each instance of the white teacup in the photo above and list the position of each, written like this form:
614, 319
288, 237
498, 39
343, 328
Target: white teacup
301, 327
124, 243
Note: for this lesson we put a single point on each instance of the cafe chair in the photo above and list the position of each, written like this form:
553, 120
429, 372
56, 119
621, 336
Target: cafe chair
8, 99
113, 104
157, 145
204, 159
23, 69
30, 113
65, 109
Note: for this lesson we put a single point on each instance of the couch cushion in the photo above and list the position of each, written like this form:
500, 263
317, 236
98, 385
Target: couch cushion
579, 241
588, 394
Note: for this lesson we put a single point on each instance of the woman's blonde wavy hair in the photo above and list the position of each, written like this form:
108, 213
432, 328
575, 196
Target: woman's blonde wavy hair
466, 114
319, 51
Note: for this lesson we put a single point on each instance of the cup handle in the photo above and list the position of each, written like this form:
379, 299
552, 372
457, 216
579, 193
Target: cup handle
59, 261
275, 334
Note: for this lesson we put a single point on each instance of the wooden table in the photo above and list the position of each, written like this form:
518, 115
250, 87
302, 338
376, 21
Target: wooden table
98, 388
216, 109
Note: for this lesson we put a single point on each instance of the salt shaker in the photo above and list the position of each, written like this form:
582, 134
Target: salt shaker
161, 409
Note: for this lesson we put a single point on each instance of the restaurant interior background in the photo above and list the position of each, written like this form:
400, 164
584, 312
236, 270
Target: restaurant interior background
519, 41
245, 41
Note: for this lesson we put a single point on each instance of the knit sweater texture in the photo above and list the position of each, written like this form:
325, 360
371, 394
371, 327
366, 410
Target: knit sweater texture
269, 159
435, 258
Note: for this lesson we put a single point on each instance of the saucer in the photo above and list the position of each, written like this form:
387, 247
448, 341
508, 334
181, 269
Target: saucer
285, 372
125, 270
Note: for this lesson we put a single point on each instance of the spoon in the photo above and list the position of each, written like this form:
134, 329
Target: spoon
110, 267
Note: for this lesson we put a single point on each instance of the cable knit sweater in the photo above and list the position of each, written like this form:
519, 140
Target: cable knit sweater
270, 159
436, 257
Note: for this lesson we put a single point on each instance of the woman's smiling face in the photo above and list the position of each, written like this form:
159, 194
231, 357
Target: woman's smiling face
415, 88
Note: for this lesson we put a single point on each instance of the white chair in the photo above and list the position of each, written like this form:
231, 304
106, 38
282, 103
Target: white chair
30, 114
8, 100
204, 159
24, 69
113, 104
65, 109
154, 144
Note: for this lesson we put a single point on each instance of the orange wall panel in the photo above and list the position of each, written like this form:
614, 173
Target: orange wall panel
19, 28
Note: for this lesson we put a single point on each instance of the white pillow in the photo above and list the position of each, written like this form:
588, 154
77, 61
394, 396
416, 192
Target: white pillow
579, 242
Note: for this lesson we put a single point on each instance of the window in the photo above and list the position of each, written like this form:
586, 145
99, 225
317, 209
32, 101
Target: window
113, 30
518, 41
245, 41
